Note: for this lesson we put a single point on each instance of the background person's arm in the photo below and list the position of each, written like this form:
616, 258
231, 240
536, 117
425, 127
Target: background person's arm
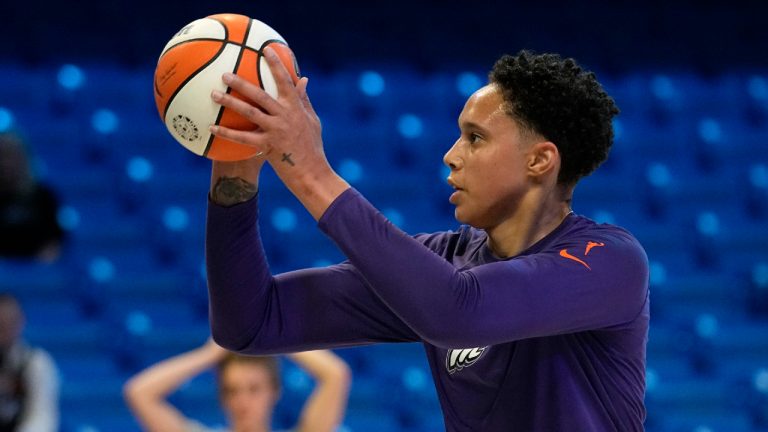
324, 409
147, 391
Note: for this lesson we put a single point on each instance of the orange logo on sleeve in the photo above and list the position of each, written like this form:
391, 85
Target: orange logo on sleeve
590, 245
564, 253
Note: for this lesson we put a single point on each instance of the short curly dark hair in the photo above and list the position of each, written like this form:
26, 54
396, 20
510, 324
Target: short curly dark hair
562, 102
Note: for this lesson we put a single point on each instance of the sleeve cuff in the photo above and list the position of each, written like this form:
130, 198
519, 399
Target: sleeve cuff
327, 218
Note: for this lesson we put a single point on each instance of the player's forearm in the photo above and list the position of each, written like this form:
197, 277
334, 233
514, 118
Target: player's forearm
255, 313
410, 278
239, 279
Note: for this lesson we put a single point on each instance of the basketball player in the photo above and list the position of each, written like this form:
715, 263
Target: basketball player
249, 387
533, 318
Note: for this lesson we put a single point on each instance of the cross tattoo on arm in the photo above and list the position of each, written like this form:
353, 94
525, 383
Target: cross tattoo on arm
287, 159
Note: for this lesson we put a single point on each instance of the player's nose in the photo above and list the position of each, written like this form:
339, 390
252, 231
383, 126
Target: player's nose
451, 157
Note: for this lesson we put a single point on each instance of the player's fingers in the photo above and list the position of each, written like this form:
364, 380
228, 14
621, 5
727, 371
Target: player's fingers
252, 92
285, 87
250, 112
253, 139
301, 88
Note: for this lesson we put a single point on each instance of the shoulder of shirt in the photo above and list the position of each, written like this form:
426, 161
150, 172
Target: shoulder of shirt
581, 228
584, 229
583, 225
465, 237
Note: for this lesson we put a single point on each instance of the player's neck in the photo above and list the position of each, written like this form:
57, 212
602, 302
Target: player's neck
538, 214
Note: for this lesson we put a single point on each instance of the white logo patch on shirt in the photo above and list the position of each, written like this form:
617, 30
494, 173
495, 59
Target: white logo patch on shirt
457, 359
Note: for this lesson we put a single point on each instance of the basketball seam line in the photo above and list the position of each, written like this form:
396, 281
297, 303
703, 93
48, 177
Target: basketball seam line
229, 89
157, 89
200, 39
241, 45
195, 73
261, 50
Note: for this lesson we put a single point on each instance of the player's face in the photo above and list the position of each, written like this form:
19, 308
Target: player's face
247, 395
487, 162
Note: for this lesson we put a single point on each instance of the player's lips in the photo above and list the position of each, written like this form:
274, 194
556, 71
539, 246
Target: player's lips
453, 183
457, 189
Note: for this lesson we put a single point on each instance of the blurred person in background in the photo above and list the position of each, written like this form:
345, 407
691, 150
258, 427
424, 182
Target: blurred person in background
249, 388
29, 390
28, 224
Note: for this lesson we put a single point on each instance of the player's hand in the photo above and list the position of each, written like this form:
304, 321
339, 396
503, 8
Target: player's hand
288, 133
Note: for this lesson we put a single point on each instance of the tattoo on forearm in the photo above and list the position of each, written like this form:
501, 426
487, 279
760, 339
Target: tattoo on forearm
229, 191
287, 159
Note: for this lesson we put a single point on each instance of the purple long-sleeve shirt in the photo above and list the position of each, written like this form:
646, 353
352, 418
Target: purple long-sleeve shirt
552, 339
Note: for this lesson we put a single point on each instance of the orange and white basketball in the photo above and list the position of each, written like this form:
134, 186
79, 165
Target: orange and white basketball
190, 67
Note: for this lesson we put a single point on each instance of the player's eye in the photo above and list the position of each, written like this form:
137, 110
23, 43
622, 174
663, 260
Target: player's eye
473, 138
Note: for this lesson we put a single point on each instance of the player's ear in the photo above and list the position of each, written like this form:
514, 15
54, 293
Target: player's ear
543, 159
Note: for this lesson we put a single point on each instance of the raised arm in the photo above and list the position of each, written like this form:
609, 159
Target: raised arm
147, 391
252, 311
324, 410
540, 294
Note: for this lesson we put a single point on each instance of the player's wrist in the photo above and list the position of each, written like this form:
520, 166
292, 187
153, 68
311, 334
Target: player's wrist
235, 182
318, 181
247, 169
316, 188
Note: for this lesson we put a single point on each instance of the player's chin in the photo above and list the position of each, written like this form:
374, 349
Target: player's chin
462, 215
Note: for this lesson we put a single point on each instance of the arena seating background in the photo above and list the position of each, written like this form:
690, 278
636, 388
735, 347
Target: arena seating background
688, 175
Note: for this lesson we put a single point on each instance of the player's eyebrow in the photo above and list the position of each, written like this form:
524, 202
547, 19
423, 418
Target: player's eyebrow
464, 125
